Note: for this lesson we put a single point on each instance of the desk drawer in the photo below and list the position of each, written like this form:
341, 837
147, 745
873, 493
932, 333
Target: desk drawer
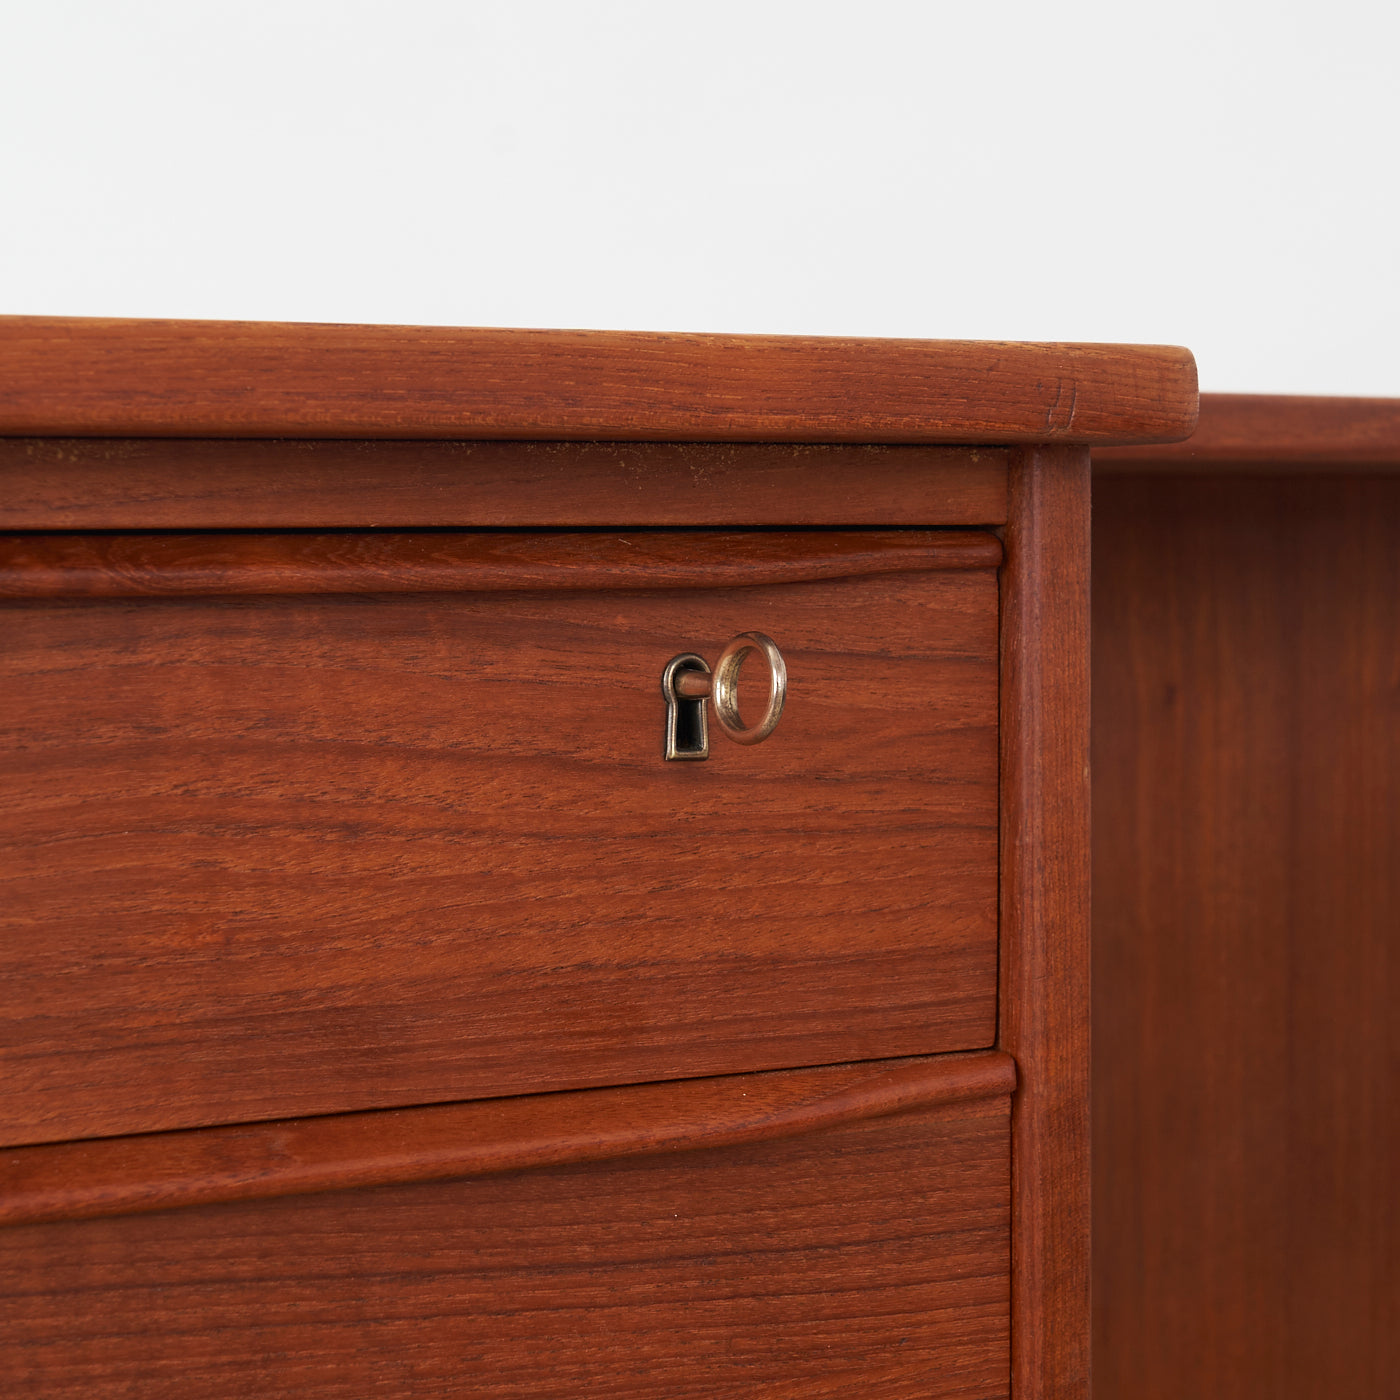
850, 1238
307, 824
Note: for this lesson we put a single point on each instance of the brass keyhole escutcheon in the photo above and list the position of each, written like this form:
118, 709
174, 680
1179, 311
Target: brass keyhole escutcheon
687, 682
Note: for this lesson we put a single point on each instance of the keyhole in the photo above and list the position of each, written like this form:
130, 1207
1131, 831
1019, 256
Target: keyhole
687, 731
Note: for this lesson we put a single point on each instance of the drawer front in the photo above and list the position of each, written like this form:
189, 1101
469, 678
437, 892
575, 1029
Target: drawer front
281, 844
867, 1259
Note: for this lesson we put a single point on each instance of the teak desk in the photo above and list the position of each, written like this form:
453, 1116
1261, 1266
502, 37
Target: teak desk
390, 1017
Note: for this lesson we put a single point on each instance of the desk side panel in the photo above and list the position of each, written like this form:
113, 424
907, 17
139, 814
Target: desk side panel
1247, 937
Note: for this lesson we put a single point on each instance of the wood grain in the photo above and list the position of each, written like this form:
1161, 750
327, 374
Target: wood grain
1274, 433
76, 377
267, 857
1247, 964
201, 1166
231, 565
870, 1259
1045, 916
218, 484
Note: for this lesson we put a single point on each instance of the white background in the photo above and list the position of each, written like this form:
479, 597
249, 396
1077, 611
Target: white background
1221, 175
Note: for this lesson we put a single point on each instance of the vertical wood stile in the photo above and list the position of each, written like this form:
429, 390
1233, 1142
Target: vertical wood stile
1044, 959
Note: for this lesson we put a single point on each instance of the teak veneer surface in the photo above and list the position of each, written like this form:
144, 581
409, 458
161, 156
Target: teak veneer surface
273, 856
1271, 433
869, 1259
74, 377
251, 1161
219, 484
1247, 937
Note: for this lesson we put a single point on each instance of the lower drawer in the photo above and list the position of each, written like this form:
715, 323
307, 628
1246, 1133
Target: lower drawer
867, 1253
